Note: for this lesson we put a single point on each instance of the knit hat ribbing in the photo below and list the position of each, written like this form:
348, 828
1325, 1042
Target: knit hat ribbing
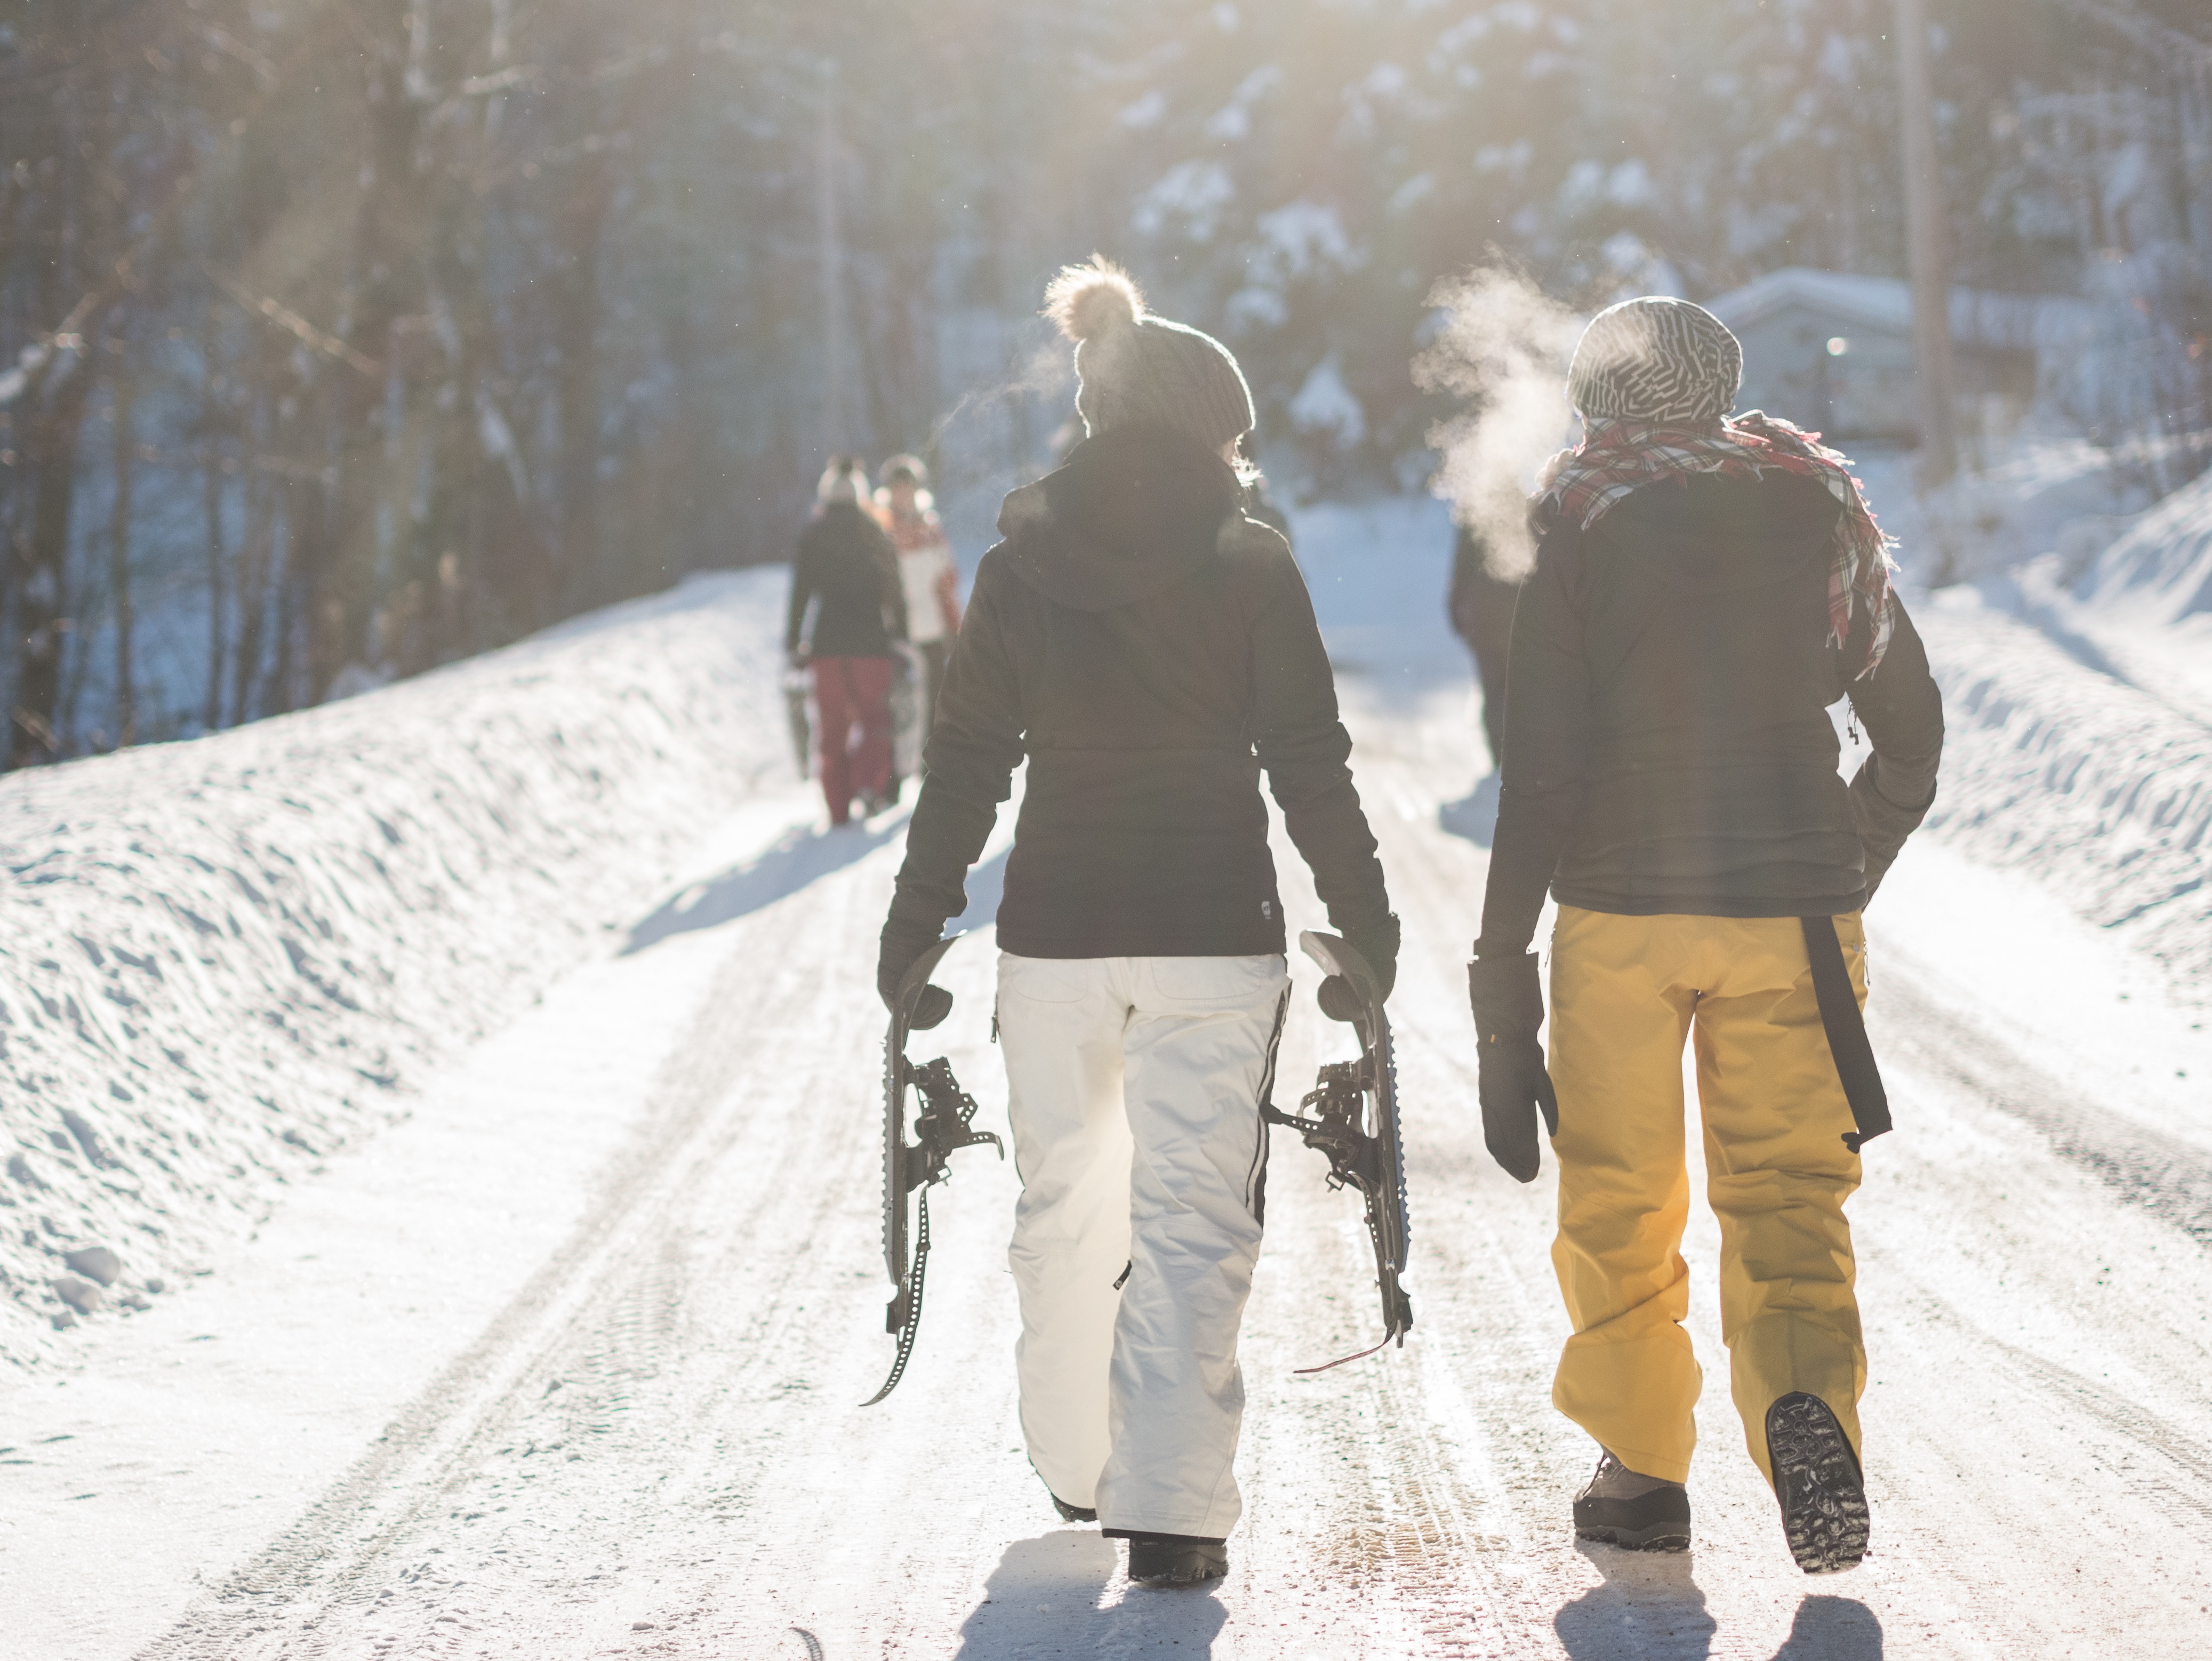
1655, 360
1132, 367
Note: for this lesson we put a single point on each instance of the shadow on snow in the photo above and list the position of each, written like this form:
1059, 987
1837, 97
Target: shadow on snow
1650, 1608
1042, 1600
801, 857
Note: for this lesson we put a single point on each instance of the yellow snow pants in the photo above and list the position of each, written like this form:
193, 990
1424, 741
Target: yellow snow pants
1626, 992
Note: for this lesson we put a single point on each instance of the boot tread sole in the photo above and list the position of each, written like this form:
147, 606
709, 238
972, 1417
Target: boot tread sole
1817, 1481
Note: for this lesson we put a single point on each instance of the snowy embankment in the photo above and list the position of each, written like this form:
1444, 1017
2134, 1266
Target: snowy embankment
2092, 785
220, 959
2080, 716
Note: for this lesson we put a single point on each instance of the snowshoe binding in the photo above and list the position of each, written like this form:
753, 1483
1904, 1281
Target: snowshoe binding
1350, 1116
1817, 1480
942, 1127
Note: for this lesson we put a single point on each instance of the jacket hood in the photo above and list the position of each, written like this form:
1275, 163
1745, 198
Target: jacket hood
1134, 511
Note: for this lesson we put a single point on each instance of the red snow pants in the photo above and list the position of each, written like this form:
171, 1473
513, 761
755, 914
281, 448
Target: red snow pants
853, 695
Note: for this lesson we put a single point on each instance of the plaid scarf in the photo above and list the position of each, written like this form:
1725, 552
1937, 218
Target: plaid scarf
1617, 457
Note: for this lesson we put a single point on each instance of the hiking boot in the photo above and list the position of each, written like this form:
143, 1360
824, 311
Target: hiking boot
1173, 1560
1071, 1513
1625, 1508
1817, 1480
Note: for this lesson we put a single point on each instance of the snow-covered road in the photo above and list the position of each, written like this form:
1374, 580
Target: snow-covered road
568, 1364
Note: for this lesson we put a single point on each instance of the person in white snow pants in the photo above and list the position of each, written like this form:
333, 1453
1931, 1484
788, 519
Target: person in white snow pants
1134, 1087
1151, 651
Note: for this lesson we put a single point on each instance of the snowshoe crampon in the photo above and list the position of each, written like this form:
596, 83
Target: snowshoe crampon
1351, 1117
943, 1125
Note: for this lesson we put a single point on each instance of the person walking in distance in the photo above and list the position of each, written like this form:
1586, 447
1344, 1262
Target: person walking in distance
1481, 605
1152, 651
846, 573
928, 578
1704, 589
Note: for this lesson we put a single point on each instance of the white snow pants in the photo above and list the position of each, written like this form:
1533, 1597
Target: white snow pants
1135, 1085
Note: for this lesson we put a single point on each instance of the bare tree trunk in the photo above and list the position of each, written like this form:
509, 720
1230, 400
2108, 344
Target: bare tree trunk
119, 551
41, 578
52, 416
831, 232
211, 507
1929, 248
575, 307
254, 551
386, 285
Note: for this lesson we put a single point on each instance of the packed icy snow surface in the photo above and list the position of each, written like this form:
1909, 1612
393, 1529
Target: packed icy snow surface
221, 960
599, 1398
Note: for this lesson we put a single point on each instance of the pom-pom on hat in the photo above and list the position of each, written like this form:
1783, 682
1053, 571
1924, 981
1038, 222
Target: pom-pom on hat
1133, 367
1656, 359
842, 480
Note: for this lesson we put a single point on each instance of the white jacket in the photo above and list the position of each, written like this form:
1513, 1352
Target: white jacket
931, 580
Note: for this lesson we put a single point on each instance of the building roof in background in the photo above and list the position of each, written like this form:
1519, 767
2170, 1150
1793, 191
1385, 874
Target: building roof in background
1979, 318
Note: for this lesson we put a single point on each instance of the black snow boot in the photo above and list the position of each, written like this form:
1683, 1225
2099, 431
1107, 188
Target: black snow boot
1817, 1480
1173, 1560
1623, 1508
1071, 1514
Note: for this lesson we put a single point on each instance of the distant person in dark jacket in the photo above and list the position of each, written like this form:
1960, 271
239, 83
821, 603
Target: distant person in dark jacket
846, 573
1481, 607
1705, 589
1152, 651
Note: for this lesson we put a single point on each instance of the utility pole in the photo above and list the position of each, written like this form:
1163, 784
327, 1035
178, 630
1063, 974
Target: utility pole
1928, 248
830, 230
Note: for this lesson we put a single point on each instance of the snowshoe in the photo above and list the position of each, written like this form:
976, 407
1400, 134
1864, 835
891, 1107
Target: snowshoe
1817, 1481
1351, 1117
796, 687
1173, 1560
942, 1127
1622, 1507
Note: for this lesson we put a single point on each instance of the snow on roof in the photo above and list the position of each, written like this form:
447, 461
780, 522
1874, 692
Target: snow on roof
1979, 318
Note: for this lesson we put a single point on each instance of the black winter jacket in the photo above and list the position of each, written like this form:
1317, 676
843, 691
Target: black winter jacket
845, 559
1667, 745
1151, 651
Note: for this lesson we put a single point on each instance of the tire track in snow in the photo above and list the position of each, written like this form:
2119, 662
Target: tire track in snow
2162, 1175
701, 1337
589, 1297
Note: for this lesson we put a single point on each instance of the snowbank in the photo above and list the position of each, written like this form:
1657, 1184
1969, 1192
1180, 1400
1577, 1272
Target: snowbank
2144, 603
2099, 788
220, 959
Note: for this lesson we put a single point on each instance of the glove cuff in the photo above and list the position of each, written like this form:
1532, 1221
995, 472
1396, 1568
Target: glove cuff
1506, 994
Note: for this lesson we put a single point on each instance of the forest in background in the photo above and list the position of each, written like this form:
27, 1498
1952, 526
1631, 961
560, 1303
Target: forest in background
341, 338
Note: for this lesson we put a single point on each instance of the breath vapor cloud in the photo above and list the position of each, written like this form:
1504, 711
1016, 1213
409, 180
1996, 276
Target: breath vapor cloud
1503, 349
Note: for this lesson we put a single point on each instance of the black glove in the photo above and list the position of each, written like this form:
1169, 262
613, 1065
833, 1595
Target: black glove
1507, 1002
902, 943
1378, 942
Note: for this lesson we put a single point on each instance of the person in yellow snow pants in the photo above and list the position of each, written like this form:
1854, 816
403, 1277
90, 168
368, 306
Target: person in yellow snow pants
1707, 589
1626, 994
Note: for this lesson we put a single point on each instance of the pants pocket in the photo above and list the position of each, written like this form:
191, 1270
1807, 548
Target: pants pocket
1046, 980
1216, 983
